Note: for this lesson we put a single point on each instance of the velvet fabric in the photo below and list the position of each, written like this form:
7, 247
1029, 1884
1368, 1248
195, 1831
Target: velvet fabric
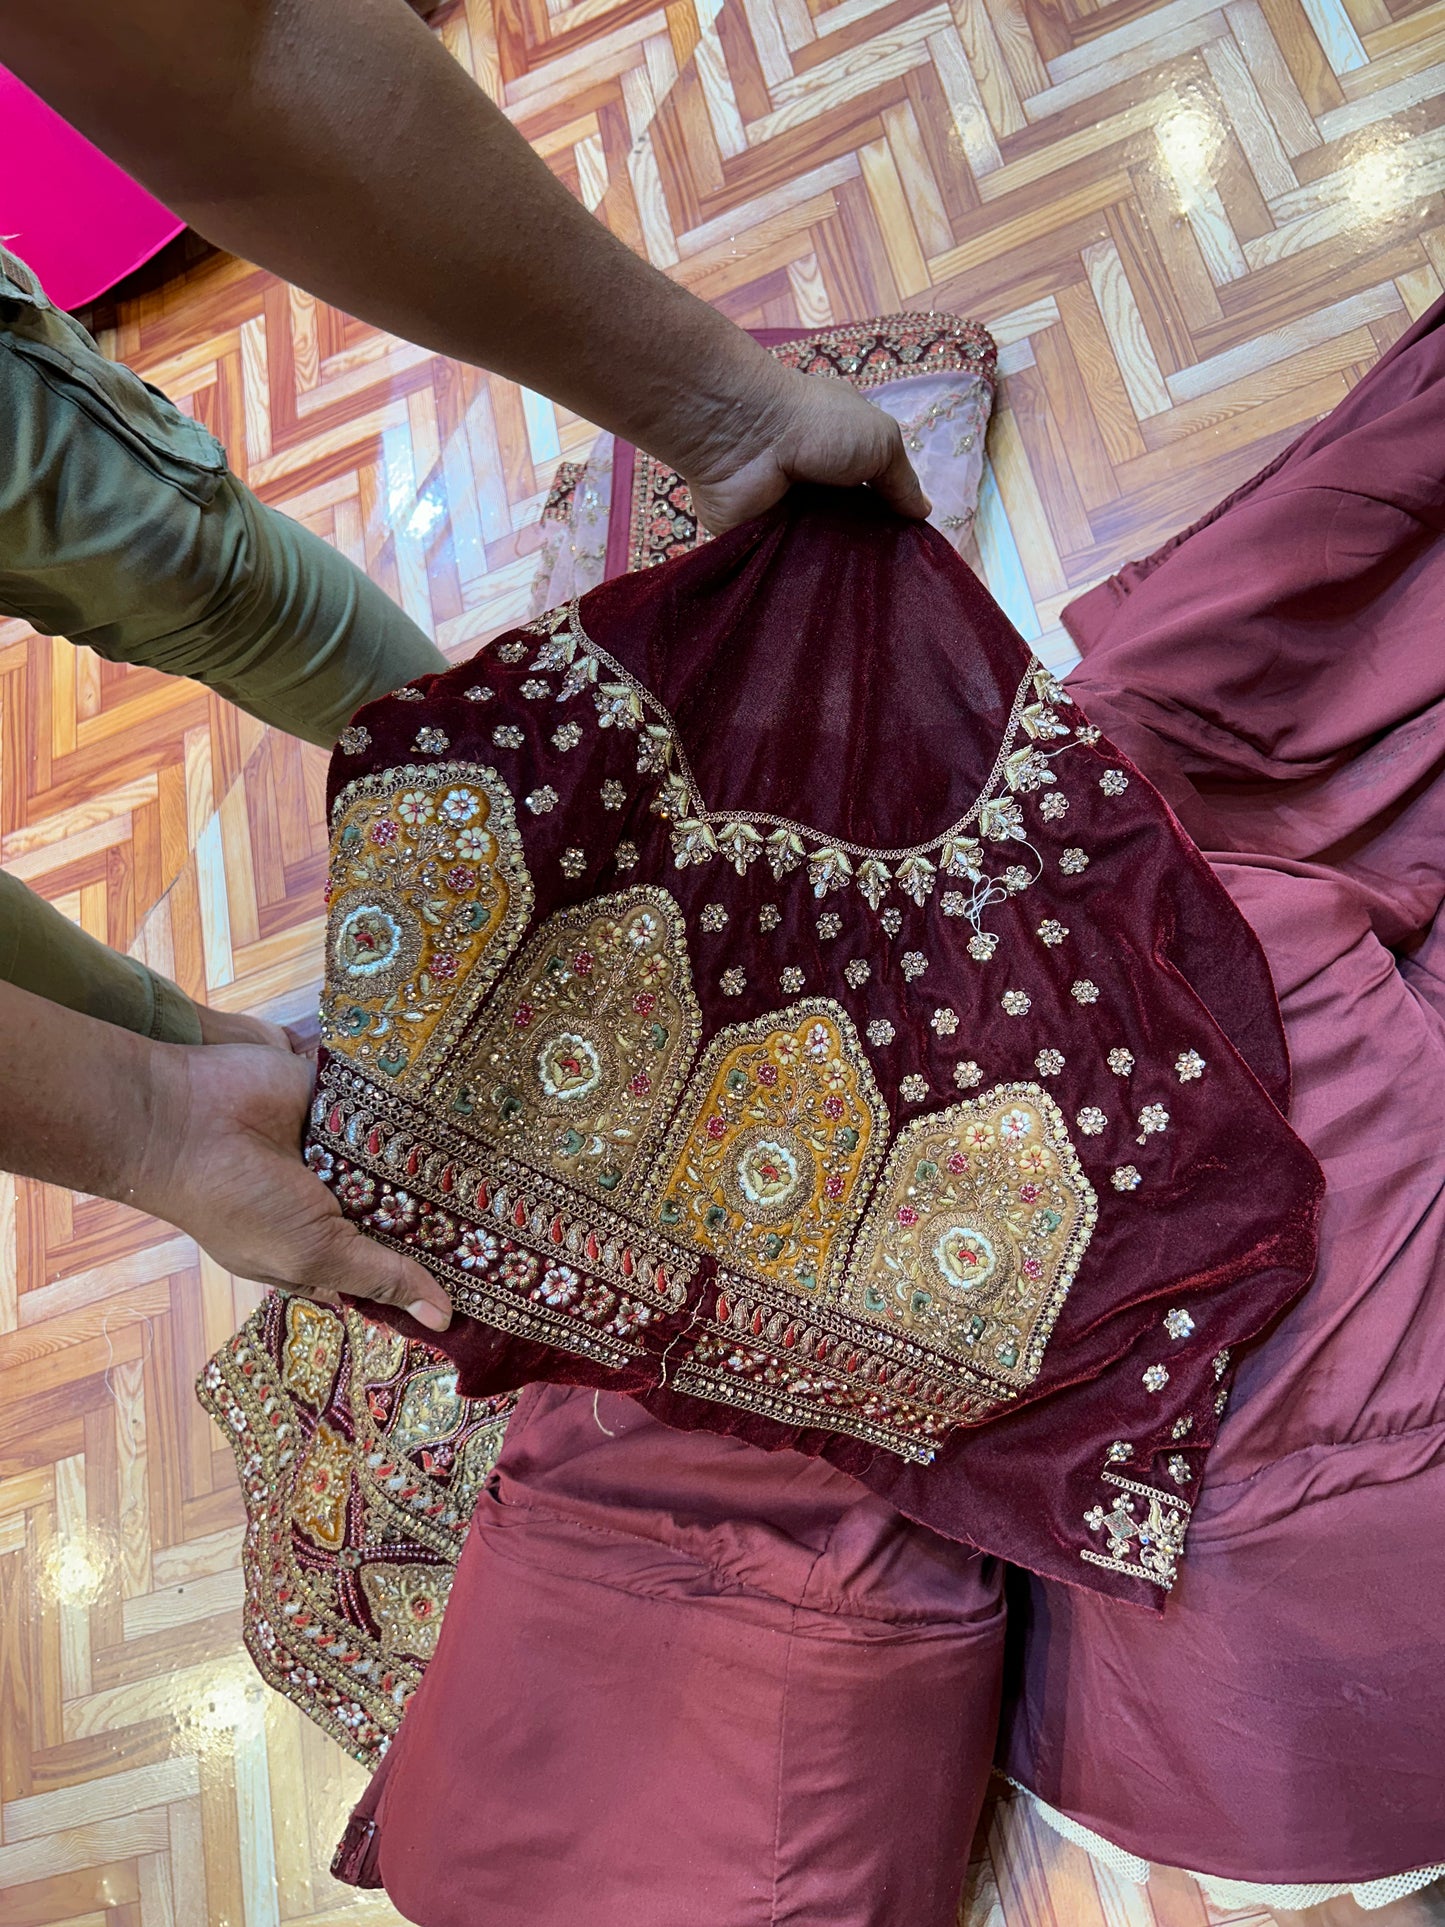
832, 667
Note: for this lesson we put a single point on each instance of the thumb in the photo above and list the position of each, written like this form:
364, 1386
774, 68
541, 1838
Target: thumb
362, 1268
897, 482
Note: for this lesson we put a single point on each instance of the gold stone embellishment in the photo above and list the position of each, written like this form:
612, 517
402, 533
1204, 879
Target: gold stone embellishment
429, 894
587, 1044
975, 1233
782, 1129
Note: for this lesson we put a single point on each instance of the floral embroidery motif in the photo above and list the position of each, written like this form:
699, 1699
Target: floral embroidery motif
1181, 1428
1144, 1531
566, 736
572, 862
1179, 1468
1073, 862
1188, 1065
479, 693
399, 986
1051, 931
1049, 1063
613, 794
975, 1232
792, 980
913, 964
829, 924
982, 945
354, 739
431, 742
1083, 991
1119, 1451
323, 1486
511, 652
1053, 806
944, 1021
1221, 1362
1121, 1061
913, 1089
733, 982
312, 1354
508, 736
967, 1075
1178, 1323
310, 1625
880, 1032
625, 856
1091, 1120
781, 1131
534, 690
699, 833
712, 917
1152, 1119
857, 971
543, 800
429, 1409
1125, 1178
1017, 1003
587, 1044
892, 920
769, 916
407, 1603
1113, 782
1156, 1377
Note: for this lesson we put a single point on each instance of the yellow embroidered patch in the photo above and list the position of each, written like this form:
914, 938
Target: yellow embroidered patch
323, 1486
782, 1130
312, 1351
428, 895
587, 1044
975, 1232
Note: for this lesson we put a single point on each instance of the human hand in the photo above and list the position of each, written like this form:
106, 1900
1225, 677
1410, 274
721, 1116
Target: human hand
813, 429
223, 1163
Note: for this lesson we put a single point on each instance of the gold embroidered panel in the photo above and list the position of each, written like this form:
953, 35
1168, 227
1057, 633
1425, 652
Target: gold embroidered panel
587, 1043
975, 1232
429, 894
779, 1137
312, 1354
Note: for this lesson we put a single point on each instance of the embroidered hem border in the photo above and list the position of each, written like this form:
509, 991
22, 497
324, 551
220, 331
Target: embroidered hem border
560, 1269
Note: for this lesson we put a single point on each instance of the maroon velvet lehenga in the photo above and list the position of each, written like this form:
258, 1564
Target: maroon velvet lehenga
695, 1681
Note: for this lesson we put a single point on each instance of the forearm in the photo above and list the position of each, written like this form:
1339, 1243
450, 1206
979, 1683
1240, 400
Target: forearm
336, 143
81, 1098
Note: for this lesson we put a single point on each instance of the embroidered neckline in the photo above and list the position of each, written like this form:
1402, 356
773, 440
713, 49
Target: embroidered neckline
741, 836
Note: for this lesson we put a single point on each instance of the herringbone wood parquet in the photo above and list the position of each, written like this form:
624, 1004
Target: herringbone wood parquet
1191, 226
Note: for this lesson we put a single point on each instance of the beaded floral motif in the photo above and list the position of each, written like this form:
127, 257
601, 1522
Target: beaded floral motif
1091, 1120
944, 1021
1016, 1003
775, 1145
857, 971
355, 738
792, 979
967, 1075
1179, 1468
1156, 1377
1084, 991
913, 1089
1125, 1178
1113, 782
1049, 1063
975, 1232
572, 862
1053, 806
1144, 1530
1188, 1065
1178, 1323
1121, 1061
892, 920
323, 1488
407, 1603
429, 894
1052, 932
312, 1353
1073, 862
733, 982
880, 1032
712, 917
613, 794
913, 964
1152, 1119
586, 1045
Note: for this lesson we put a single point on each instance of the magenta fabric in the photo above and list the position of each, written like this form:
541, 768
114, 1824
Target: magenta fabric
1280, 672
834, 665
80, 222
682, 1683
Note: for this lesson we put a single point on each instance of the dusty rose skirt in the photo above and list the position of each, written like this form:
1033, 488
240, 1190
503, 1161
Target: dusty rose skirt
681, 1681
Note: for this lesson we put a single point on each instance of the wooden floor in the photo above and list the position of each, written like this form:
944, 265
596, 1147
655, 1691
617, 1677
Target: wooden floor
1191, 225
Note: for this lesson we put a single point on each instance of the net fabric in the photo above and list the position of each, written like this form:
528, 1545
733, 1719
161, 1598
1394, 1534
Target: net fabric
1371, 1895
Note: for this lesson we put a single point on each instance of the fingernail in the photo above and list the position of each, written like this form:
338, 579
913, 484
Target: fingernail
434, 1317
